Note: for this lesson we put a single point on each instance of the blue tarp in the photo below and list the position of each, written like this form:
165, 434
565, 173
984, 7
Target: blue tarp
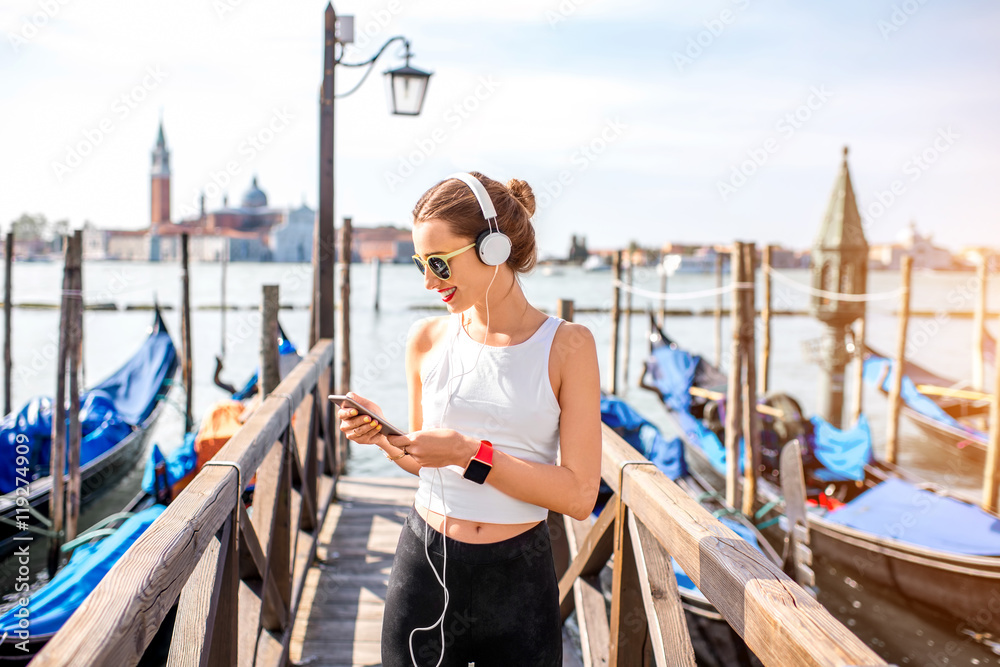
879, 368
53, 604
844, 454
904, 512
179, 462
284, 347
108, 412
636, 430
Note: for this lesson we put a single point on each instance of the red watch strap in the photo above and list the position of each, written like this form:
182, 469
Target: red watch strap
485, 453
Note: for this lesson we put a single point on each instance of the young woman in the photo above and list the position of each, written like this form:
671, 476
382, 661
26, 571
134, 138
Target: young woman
505, 425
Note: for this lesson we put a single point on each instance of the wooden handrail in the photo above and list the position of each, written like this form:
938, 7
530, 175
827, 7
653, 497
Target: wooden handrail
780, 622
118, 620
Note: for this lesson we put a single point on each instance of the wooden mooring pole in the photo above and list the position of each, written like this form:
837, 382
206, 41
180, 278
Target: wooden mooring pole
718, 309
75, 339
57, 456
376, 282
616, 274
662, 269
751, 420
991, 475
7, 311
344, 383
186, 352
269, 374
978, 328
734, 396
564, 309
627, 331
765, 317
896, 382
859, 369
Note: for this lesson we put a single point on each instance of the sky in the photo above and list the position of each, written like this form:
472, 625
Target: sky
643, 120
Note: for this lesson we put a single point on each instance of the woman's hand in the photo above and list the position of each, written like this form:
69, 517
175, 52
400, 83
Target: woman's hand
437, 448
362, 429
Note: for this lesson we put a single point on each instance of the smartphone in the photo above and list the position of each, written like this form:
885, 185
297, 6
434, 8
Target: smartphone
345, 402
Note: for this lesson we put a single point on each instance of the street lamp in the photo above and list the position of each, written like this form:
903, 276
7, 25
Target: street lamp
406, 86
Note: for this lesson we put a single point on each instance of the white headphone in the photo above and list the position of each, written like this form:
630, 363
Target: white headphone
492, 246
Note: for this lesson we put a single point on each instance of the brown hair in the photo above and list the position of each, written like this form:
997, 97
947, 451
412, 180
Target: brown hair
454, 202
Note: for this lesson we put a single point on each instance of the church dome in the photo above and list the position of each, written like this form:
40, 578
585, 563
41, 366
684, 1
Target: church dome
254, 197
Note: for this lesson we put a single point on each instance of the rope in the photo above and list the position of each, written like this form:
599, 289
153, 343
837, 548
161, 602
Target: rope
835, 296
680, 296
769, 522
768, 507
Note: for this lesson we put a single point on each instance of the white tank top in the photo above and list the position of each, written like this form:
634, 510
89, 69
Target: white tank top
505, 398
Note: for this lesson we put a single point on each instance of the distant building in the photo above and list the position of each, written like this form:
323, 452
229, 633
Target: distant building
252, 231
910, 242
386, 242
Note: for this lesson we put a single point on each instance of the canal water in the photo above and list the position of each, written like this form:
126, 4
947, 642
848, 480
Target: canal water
895, 629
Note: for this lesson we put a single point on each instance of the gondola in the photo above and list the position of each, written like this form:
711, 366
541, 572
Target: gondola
943, 408
116, 416
884, 524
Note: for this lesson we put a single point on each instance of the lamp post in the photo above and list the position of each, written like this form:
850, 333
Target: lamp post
406, 87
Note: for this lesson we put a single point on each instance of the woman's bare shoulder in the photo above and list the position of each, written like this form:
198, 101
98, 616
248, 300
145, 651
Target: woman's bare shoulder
572, 339
427, 331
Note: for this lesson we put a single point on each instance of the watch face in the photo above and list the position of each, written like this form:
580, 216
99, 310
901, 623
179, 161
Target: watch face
477, 471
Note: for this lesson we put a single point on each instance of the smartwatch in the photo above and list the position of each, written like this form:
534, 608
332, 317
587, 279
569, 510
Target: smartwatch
481, 464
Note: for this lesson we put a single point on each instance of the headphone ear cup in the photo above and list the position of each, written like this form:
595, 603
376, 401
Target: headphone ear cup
493, 248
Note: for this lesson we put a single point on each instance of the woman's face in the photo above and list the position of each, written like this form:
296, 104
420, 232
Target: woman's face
469, 277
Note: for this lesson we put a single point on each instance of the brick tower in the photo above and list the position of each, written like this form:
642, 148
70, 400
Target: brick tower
160, 183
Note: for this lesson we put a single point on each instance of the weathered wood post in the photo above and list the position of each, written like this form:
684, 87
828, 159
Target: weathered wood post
557, 522
345, 329
765, 317
627, 332
564, 309
896, 385
751, 420
616, 274
662, 269
269, 374
186, 353
734, 396
718, 308
376, 282
978, 327
859, 369
57, 456
75, 336
7, 311
991, 475
222, 299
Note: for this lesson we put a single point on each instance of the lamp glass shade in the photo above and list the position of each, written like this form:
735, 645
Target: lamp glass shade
406, 87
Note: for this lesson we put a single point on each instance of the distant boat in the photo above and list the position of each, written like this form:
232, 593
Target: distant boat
551, 270
595, 263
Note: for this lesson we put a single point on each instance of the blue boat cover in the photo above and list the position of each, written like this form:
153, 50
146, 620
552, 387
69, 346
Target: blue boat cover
55, 602
179, 463
879, 368
108, 412
909, 514
844, 454
285, 347
636, 430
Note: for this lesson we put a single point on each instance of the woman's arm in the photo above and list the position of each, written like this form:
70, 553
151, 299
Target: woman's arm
569, 487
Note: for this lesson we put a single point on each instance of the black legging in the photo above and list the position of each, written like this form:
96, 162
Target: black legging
503, 607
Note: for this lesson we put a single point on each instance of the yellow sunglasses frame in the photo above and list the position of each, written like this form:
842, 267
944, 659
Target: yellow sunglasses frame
425, 263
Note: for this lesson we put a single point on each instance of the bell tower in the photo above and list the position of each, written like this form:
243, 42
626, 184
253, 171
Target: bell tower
160, 183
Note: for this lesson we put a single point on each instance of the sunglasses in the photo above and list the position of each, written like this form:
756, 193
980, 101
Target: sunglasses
439, 263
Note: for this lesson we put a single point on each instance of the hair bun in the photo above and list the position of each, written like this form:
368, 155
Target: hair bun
521, 191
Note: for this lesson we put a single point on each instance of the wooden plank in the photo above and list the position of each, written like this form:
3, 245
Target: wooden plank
222, 649
192, 634
670, 641
991, 475
859, 369
590, 553
57, 455
249, 620
628, 614
186, 348
734, 395
304, 426
751, 424
306, 519
588, 600
269, 374
75, 351
278, 550
765, 317
778, 620
344, 382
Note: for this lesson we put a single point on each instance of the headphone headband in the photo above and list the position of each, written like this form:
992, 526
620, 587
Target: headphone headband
483, 197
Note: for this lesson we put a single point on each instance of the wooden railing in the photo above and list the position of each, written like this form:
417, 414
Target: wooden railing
650, 519
236, 579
